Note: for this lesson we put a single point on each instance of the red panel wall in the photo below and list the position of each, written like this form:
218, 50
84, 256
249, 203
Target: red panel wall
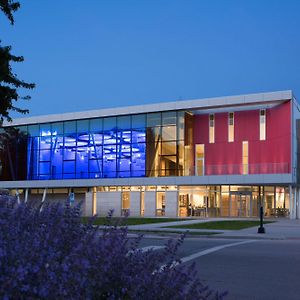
270, 156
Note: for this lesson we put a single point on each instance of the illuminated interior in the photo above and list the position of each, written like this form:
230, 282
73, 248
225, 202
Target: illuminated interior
94, 155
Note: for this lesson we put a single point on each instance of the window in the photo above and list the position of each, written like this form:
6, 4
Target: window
231, 127
262, 124
211, 128
199, 159
245, 157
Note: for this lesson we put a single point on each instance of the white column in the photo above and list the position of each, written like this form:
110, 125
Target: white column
94, 201
43, 198
292, 203
171, 209
150, 204
88, 206
135, 204
298, 203
26, 196
107, 201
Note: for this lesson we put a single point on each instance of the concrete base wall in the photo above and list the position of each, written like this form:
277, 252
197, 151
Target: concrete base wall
150, 204
107, 201
171, 209
135, 204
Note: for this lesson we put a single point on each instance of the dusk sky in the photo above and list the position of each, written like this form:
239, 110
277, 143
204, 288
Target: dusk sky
86, 55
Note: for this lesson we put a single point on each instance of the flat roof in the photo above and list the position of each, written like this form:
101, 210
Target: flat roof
198, 104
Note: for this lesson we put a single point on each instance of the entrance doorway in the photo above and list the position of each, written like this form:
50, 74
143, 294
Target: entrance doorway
241, 204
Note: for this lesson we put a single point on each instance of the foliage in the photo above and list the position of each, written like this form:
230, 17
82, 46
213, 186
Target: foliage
8, 7
46, 253
9, 82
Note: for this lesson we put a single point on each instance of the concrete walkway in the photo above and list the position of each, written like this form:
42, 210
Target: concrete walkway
280, 229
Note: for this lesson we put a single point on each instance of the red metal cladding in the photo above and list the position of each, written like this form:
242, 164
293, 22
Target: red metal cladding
272, 155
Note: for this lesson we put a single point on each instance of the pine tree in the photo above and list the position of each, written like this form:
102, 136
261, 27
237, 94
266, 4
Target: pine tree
9, 82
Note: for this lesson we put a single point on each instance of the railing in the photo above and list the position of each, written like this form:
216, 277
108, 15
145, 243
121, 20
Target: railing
240, 169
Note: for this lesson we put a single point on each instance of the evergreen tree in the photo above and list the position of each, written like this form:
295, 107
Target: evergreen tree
9, 82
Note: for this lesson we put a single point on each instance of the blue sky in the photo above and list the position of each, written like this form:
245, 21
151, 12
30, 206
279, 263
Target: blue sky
94, 54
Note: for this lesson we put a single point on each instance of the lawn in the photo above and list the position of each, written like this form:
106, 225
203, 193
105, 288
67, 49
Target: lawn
221, 225
132, 221
159, 232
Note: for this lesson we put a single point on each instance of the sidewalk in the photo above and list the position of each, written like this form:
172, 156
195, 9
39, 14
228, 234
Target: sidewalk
280, 229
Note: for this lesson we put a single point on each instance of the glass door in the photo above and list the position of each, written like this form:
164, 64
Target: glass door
241, 204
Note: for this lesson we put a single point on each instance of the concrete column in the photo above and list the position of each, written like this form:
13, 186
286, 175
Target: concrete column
135, 204
150, 204
26, 196
107, 201
94, 201
88, 206
298, 203
43, 198
171, 204
292, 203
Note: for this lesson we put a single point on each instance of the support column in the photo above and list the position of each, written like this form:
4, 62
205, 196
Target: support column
150, 204
292, 203
43, 198
171, 204
298, 203
26, 196
135, 204
107, 201
94, 201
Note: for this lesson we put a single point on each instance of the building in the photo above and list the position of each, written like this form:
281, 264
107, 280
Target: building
210, 157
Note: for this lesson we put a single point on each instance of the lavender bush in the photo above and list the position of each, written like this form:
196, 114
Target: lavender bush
50, 254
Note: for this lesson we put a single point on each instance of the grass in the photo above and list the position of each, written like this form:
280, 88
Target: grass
132, 221
221, 225
160, 232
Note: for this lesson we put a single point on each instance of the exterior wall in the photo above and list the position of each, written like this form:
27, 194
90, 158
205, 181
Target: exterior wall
171, 204
223, 157
107, 201
135, 204
150, 204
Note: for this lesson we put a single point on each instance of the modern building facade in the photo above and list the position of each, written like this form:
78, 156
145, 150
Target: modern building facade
212, 157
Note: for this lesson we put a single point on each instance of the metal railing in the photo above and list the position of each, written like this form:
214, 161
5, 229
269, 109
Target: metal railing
240, 169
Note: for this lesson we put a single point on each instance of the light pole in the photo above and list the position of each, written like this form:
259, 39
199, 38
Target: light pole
261, 228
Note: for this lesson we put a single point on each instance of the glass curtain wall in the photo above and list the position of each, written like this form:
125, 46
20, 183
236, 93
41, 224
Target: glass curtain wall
140, 145
96, 148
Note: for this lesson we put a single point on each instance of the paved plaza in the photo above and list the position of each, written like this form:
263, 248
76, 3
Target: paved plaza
246, 264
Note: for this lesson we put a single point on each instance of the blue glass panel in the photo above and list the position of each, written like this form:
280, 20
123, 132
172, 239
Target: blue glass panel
83, 126
109, 137
69, 168
45, 155
44, 168
112, 153
57, 128
95, 168
96, 125
138, 164
109, 161
138, 136
70, 127
109, 123
138, 121
124, 167
96, 139
124, 122
34, 130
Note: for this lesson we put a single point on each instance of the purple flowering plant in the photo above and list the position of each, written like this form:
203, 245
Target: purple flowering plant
49, 253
